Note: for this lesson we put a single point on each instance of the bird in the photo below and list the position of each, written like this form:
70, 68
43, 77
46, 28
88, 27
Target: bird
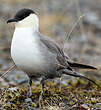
37, 55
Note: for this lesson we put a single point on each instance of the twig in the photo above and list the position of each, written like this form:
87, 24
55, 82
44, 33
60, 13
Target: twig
73, 27
10, 69
78, 14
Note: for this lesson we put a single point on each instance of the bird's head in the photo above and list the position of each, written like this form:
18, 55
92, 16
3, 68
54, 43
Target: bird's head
25, 18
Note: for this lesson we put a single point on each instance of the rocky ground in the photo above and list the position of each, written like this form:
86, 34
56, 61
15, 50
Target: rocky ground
56, 21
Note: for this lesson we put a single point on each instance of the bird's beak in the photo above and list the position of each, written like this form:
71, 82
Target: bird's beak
11, 20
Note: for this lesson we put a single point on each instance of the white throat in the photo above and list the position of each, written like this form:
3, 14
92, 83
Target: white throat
30, 21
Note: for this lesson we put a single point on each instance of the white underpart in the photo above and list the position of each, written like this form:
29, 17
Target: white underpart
24, 48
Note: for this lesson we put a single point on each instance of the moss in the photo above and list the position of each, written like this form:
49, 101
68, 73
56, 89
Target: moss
77, 92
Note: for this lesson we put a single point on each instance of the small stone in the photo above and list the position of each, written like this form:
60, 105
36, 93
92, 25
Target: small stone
84, 107
13, 89
28, 100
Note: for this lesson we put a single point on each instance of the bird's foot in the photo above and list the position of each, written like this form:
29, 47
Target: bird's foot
41, 98
30, 94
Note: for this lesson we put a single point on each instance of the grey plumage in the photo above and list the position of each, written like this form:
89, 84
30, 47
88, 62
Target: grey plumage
61, 64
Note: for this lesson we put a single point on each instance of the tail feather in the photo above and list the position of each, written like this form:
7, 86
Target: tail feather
75, 74
82, 66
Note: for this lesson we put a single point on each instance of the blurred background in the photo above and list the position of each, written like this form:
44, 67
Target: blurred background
57, 18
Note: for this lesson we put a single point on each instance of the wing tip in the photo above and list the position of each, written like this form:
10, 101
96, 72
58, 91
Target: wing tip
82, 66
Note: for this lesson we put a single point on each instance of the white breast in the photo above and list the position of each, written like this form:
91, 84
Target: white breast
25, 50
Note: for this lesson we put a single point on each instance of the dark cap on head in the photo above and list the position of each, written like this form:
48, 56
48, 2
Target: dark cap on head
21, 14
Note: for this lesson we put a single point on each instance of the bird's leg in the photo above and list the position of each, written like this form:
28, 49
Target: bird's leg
42, 88
42, 92
60, 79
30, 83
